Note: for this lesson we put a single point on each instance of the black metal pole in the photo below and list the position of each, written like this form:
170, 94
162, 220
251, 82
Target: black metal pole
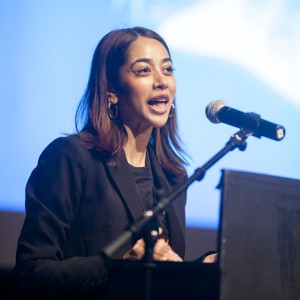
143, 225
238, 140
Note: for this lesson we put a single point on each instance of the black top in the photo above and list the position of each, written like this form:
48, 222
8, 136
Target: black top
144, 185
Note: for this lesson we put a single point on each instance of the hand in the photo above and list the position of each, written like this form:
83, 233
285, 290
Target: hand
161, 252
211, 258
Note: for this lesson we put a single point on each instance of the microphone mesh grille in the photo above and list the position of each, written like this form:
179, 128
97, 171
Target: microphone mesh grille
212, 110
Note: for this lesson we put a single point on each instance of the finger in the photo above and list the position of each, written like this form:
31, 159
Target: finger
212, 258
137, 251
139, 245
170, 256
163, 252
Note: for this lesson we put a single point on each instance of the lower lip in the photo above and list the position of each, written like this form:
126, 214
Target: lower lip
159, 108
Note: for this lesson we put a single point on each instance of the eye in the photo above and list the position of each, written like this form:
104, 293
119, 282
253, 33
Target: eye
143, 71
169, 70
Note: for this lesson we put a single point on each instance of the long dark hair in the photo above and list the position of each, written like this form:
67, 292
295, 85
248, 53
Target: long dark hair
92, 121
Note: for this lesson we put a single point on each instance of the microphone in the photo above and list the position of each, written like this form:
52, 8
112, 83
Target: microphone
217, 111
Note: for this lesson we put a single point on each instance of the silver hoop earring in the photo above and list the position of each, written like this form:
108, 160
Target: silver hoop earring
172, 111
113, 110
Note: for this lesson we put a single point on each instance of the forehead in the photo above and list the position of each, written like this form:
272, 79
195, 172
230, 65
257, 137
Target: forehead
145, 47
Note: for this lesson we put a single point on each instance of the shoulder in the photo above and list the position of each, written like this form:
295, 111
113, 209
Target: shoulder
65, 148
65, 142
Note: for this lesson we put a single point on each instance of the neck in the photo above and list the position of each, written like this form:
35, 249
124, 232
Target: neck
136, 148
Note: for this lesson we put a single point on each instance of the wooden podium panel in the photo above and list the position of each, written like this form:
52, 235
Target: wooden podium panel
259, 237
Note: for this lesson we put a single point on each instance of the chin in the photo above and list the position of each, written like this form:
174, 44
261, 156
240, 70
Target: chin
159, 125
159, 122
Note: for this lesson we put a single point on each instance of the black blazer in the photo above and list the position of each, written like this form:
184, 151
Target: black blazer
75, 206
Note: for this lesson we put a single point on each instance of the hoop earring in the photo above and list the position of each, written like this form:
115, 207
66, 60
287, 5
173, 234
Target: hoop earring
113, 110
172, 111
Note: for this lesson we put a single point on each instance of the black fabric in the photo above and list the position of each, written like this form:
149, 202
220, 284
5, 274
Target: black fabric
144, 184
75, 206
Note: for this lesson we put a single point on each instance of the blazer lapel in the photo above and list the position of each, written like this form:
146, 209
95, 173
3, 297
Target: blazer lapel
124, 181
176, 221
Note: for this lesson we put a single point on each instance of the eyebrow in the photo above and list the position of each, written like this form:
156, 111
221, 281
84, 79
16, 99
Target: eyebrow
148, 60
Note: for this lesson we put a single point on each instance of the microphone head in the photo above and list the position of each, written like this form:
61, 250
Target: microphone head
212, 110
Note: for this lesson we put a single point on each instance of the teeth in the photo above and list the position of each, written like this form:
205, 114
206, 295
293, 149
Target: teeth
157, 101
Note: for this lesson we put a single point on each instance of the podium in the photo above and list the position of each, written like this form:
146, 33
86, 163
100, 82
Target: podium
170, 280
258, 245
259, 237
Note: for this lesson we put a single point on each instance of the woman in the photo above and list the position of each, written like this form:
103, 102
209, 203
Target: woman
88, 187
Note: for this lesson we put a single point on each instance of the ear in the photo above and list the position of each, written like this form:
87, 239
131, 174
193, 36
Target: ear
112, 98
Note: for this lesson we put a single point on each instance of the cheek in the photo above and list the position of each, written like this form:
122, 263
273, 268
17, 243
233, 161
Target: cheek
172, 87
130, 88
130, 98
131, 95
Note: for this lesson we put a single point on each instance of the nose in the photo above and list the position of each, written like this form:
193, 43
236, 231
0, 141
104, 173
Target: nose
160, 82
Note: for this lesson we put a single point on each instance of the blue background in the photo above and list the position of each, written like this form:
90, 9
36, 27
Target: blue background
244, 52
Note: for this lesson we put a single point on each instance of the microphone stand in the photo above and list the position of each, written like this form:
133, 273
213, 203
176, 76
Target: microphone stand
145, 224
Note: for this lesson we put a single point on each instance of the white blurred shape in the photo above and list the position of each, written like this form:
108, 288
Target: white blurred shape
261, 36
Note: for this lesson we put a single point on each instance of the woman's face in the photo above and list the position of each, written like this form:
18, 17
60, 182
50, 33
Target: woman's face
146, 86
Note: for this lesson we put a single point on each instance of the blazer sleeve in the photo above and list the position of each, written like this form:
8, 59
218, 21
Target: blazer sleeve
52, 199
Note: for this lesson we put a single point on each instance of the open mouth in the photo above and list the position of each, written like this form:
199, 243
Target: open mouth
158, 102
